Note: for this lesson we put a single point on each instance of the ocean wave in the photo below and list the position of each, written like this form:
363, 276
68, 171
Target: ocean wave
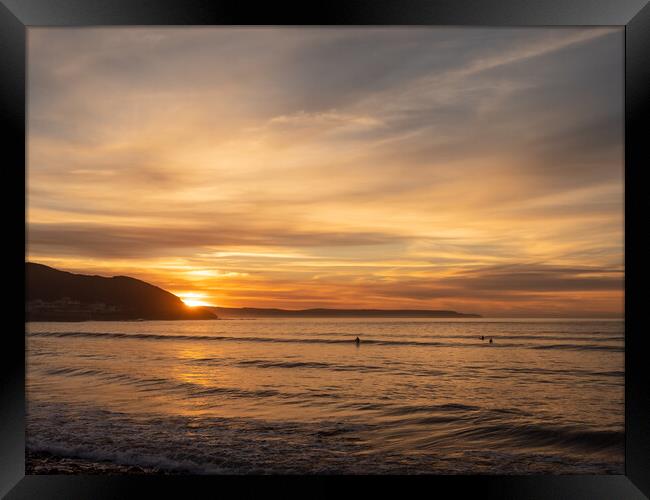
485, 429
378, 342
580, 347
445, 408
263, 363
501, 335
151, 459
548, 436
391, 368
462, 433
186, 389
74, 372
562, 371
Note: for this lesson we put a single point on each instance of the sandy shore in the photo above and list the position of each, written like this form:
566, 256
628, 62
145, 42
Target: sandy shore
47, 463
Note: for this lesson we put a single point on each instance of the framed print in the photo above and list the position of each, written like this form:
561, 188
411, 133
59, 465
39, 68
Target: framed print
368, 243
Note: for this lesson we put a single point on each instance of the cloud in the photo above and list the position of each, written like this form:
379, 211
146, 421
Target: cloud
382, 164
103, 240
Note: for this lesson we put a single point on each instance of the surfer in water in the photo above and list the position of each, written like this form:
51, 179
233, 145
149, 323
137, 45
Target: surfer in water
357, 341
490, 341
482, 337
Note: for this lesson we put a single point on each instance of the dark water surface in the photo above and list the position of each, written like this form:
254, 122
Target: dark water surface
298, 396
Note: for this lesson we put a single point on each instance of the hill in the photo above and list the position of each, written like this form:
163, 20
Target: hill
249, 312
53, 295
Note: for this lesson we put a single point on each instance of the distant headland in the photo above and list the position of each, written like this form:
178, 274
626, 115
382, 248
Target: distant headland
250, 312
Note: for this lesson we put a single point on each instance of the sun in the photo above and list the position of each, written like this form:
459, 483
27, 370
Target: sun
193, 299
194, 303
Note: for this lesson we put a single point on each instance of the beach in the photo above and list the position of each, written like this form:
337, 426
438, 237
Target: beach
48, 463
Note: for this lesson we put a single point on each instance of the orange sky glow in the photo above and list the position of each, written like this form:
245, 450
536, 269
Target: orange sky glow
479, 170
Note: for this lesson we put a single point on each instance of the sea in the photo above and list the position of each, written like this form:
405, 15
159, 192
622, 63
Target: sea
299, 396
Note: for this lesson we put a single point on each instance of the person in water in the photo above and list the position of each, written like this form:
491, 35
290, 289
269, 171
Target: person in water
357, 341
482, 337
490, 341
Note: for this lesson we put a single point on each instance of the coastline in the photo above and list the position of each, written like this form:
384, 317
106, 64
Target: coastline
45, 463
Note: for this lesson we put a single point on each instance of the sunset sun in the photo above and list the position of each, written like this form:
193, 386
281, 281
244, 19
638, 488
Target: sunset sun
194, 299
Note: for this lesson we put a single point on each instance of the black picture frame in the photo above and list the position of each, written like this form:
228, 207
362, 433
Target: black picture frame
633, 15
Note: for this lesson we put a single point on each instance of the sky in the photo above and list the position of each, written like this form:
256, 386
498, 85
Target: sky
472, 169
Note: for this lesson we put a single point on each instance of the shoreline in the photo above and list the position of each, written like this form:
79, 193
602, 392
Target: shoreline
46, 463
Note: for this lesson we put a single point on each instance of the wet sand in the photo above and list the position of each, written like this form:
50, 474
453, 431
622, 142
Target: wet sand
40, 463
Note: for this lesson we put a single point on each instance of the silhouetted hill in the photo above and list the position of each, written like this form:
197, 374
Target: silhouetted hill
54, 295
250, 312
